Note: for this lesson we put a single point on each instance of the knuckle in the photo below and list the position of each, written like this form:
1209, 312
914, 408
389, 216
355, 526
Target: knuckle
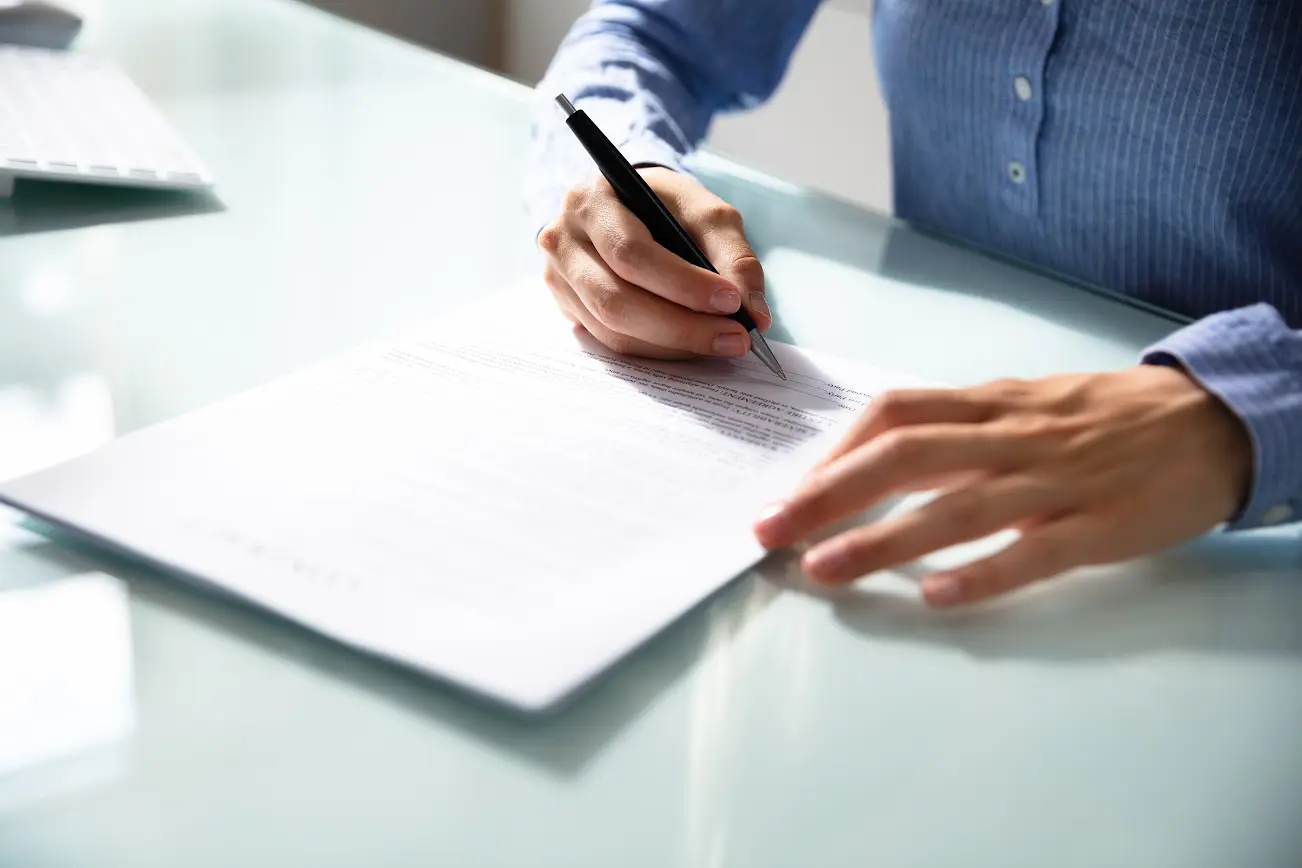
608, 306
550, 238
889, 407
900, 445
749, 271
587, 202
622, 251
1037, 430
722, 214
1008, 392
576, 198
1068, 394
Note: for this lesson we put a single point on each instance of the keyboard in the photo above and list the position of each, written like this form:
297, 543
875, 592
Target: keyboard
66, 116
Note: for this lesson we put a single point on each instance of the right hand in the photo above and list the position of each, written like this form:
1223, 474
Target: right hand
636, 297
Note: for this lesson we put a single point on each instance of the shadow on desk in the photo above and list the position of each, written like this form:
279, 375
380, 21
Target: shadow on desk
1223, 594
562, 742
38, 206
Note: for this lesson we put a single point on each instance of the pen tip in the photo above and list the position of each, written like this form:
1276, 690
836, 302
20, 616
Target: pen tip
782, 375
563, 101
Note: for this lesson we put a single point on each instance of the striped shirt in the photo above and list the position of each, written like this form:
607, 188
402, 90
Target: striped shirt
1154, 149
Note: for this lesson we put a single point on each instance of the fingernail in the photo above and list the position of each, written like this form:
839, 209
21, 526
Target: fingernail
731, 344
759, 305
942, 590
827, 563
725, 300
772, 526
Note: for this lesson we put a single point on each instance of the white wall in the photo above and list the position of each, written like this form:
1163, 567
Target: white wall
465, 28
825, 128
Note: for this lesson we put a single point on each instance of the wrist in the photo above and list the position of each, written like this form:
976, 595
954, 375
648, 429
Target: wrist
1227, 439
1252, 362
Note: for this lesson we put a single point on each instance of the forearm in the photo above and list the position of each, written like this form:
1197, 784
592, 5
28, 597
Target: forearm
1253, 362
652, 74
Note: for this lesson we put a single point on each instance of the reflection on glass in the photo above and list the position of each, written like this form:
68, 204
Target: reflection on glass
65, 683
100, 249
38, 429
713, 760
47, 291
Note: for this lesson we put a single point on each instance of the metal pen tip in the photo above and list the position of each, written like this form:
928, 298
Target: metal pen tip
564, 102
760, 347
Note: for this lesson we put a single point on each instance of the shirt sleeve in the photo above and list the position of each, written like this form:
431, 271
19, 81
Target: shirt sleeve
1252, 361
652, 74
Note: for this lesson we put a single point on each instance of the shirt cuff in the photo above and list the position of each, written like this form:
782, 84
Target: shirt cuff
1252, 361
558, 161
652, 151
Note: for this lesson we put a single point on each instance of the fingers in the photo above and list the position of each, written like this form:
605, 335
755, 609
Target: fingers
906, 407
627, 248
717, 227
899, 461
574, 310
631, 316
564, 297
1084, 468
955, 517
608, 273
1040, 554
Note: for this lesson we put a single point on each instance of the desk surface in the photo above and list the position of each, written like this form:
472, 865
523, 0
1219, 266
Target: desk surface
1141, 716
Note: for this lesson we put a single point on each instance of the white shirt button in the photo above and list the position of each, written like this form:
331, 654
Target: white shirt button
1022, 87
1277, 514
1016, 172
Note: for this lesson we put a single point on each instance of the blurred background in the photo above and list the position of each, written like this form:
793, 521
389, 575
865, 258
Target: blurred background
826, 128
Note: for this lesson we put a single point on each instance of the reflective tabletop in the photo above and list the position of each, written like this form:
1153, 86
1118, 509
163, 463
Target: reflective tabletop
1143, 715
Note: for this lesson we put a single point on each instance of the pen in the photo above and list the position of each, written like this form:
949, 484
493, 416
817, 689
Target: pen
639, 198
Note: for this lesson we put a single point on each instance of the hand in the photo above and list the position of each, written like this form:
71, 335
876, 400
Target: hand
1089, 469
636, 297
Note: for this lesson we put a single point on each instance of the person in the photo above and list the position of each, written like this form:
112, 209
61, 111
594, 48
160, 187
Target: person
1149, 148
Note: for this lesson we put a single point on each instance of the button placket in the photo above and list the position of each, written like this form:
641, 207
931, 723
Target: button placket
1024, 98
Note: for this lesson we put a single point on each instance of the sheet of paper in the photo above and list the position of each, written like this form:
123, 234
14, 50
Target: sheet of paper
497, 499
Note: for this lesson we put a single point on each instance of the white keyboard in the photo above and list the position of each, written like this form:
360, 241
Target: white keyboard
73, 117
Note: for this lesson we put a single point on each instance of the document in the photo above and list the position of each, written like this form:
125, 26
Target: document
496, 499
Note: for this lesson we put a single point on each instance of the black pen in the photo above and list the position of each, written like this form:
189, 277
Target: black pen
639, 198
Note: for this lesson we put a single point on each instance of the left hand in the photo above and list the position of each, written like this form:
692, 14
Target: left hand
1088, 468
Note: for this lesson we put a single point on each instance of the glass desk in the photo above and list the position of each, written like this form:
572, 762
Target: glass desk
1141, 716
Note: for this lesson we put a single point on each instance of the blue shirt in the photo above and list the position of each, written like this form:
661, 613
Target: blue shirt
1151, 148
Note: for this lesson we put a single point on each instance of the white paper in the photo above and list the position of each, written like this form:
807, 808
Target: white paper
497, 500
